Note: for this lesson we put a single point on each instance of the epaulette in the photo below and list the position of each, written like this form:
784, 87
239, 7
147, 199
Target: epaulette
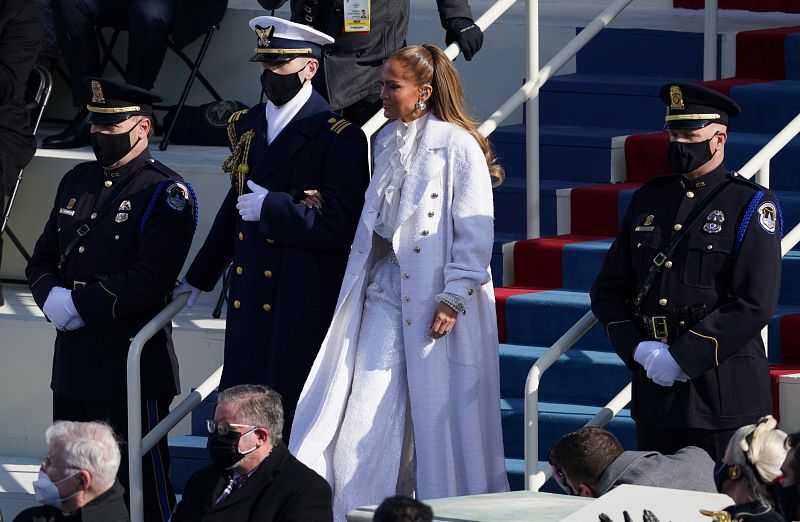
336, 125
161, 168
735, 176
232, 138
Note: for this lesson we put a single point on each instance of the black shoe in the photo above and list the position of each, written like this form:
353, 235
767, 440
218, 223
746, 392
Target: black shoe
75, 135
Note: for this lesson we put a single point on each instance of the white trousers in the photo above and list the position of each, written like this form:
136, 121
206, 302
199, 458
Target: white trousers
369, 449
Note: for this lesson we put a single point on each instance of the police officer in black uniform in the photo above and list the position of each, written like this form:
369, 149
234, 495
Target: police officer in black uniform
350, 75
288, 255
117, 236
690, 282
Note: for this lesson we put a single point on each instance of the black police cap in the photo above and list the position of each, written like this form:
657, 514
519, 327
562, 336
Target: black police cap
692, 106
113, 102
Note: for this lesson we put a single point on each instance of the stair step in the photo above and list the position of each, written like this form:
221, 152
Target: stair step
760, 113
580, 376
188, 454
556, 420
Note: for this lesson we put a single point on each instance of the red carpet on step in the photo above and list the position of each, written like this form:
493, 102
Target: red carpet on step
501, 295
537, 262
594, 210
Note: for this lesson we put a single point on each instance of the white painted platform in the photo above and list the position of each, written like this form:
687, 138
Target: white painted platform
16, 486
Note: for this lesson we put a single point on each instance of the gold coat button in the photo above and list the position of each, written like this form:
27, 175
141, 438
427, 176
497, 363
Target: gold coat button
408, 322
677, 226
709, 247
268, 273
108, 183
425, 232
267, 307
681, 323
668, 264
270, 241
241, 236
690, 194
93, 216
417, 250
237, 304
239, 270
116, 237
81, 249
662, 302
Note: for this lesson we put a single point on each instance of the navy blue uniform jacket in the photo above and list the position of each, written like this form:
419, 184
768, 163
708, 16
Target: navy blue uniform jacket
288, 267
729, 261
121, 274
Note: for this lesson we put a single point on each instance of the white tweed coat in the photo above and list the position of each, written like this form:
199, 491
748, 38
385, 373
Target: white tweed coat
443, 243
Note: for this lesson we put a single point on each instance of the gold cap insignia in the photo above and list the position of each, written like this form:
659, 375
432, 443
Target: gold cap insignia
264, 34
97, 92
676, 97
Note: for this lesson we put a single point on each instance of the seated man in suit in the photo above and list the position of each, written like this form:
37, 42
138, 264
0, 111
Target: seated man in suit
590, 462
253, 475
78, 477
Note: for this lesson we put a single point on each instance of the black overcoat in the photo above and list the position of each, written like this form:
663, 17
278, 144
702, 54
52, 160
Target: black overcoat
286, 268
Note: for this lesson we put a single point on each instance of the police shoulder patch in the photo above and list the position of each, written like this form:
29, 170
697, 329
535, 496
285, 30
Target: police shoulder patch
177, 196
767, 216
336, 125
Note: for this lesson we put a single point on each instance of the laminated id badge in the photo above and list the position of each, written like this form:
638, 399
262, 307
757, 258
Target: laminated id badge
356, 16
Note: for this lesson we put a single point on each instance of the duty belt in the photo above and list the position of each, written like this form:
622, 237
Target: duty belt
667, 328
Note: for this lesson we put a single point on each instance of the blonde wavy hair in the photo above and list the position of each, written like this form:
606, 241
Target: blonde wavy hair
759, 450
429, 65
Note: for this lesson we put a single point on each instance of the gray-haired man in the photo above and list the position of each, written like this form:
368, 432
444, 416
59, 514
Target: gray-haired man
78, 477
253, 477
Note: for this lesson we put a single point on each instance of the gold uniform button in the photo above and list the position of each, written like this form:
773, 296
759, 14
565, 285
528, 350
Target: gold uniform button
108, 183
237, 304
668, 264
239, 270
677, 226
267, 273
267, 307
81, 249
709, 247
690, 194
662, 302
417, 250
116, 237
681, 323
94, 215
241, 236
270, 241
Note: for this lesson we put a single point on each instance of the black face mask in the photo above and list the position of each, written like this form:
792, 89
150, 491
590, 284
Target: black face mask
280, 88
110, 148
224, 449
686, 157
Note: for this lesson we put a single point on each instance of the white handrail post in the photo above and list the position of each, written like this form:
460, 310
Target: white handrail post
762, 175
532, 122
710, 41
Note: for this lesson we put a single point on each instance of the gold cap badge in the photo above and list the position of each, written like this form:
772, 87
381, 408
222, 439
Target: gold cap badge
97, 92
676, 97
264, 34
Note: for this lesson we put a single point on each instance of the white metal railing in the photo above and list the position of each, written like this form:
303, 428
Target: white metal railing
710, 41
138, 446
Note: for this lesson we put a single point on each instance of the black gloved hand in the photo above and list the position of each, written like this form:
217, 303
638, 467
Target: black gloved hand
466, 34
647, 516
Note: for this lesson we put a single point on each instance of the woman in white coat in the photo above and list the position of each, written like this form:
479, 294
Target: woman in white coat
404, 395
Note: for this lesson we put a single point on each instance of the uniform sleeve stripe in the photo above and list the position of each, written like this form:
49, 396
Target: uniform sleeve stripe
751, 208
194, 199
716, 344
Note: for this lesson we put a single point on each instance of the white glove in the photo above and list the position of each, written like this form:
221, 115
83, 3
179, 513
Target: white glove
645, 351
59, 308
75, 323
186, 287
663, 370
249, 205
